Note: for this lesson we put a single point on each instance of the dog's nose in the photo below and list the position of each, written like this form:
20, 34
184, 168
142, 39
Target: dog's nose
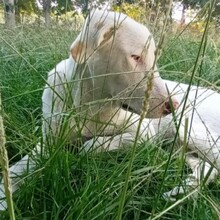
170, 106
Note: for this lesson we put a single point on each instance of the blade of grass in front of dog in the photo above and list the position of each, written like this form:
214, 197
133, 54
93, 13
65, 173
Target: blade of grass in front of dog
5, 168
145, 108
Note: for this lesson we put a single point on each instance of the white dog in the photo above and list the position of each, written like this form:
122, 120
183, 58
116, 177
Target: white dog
98, 92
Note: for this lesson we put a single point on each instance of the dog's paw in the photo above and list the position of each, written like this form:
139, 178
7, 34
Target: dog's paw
3, 204
179, 192
188, 185
174, 194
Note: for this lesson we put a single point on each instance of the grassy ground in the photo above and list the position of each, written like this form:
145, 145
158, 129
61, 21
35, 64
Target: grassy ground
72, 186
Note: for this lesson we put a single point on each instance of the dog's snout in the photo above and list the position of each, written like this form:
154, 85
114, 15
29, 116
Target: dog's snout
170, 106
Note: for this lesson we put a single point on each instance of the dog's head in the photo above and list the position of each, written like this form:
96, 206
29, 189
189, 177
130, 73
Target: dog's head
122, 50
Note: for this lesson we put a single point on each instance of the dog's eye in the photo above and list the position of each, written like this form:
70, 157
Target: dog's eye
136, 58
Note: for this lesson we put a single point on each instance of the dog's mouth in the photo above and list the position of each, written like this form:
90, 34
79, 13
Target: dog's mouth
166, 110
130, 109
127, 107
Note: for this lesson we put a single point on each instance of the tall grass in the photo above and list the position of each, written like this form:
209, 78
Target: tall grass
69, 185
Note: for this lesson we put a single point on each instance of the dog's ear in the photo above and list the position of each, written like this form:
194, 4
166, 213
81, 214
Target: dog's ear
78, 50
82, 48
104, 35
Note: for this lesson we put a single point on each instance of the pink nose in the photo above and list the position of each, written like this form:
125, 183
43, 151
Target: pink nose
170, 106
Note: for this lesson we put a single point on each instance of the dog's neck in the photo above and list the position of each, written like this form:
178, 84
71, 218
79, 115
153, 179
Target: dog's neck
91, 93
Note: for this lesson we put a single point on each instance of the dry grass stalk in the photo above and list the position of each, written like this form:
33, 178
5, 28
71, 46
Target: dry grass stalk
5, 167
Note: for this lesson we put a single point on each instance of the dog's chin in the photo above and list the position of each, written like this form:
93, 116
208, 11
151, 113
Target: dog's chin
129, 108
134, 110
158, 112
153, 113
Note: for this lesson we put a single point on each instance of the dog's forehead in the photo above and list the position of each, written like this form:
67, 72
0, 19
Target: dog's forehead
106, 16
133, 34
120, 23
135, 30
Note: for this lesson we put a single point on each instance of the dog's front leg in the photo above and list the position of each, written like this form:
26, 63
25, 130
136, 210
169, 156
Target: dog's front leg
107, 143
202, 173
128, 123
26, 164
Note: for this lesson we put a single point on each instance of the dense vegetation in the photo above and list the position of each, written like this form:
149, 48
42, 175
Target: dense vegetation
73, 186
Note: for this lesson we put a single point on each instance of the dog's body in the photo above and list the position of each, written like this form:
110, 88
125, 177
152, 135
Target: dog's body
203, 125
97, 93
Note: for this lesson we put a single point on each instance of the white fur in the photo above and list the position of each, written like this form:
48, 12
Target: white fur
101, 74
202, 111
